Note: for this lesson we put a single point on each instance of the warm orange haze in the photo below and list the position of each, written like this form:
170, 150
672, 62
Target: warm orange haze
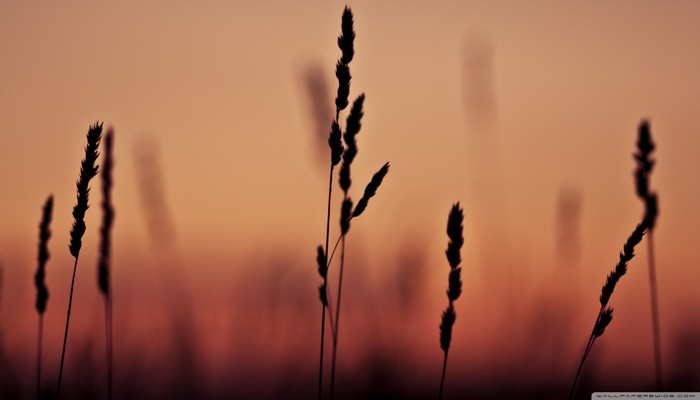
526, 113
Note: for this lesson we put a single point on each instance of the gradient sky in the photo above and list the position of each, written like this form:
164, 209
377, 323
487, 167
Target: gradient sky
506, 106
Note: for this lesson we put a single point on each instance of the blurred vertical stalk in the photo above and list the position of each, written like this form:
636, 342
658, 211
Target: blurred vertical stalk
645, 165
42, 295
103, 265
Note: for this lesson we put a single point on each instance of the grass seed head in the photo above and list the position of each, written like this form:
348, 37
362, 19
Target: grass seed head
321, 261
642, 174
370, 190
103, 267
352, 128
347, 36
335, 143
448, 320
454, 289
345, 216
342, 72
88, 170
42, 295
621, 268
454, 232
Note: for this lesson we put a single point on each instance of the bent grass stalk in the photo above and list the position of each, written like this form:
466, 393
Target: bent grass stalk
88, 170
454, 289
103, 265
42, 294
346, 216
370, 191
645, 164
605, 313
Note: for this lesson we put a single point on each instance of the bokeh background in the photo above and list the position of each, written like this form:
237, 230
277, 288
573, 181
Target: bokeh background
525, 112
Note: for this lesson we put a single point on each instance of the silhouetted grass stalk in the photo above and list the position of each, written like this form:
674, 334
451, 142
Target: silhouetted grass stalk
454, 289
645, 164
370, 191
42, 295
103, 265
342, 72
336, 145
605, 313
88, 170
352, 128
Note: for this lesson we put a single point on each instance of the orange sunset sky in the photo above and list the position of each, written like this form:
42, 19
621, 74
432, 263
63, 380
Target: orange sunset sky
525, 112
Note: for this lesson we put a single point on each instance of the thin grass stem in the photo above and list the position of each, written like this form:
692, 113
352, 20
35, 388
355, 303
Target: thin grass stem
325, 286
589, 346
442, 379
38, 356
65, 334
108, 337
656, 330
337, 316
88, 170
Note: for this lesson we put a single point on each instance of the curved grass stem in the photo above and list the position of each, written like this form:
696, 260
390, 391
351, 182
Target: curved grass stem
65, 334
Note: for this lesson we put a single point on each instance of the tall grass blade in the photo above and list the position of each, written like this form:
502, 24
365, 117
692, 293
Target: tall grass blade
88, 170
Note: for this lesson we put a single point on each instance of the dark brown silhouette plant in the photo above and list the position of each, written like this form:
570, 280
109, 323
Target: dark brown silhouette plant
103, 265
88, 170
335, 142
352, 128
347, 154
454, 288
42, 292
605, 313
645, 164
336, 145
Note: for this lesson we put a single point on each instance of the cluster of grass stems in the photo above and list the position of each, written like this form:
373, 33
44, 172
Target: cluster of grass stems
343, 148
345, 153
88, 170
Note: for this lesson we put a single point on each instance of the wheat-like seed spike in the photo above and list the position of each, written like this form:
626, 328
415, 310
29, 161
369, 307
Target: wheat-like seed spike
621, 268
454, 232
448, 320
370, 190
345, 213
347, 37
88, 170
645, 146
335, 143
645, 164
321, 261
342, 72
454, 289
352, 128
103, 272
42, 295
